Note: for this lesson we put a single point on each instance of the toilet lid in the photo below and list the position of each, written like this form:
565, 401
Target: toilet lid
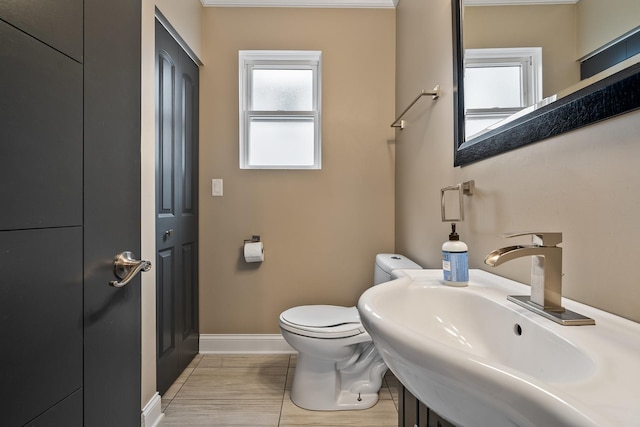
319, 316
322, 321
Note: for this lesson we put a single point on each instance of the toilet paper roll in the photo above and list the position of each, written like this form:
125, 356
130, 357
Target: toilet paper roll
253, 252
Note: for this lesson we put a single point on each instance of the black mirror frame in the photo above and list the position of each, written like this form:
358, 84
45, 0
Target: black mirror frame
612, 96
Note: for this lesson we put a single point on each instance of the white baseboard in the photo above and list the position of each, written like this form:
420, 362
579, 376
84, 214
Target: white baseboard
244, 344
152, 412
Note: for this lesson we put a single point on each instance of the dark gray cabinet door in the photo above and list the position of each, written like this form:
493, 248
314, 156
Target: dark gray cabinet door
413, 413
176, 208
69, 201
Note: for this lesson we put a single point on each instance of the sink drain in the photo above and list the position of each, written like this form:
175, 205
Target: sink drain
517, 329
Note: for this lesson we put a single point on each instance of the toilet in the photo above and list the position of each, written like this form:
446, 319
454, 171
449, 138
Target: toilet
338, 367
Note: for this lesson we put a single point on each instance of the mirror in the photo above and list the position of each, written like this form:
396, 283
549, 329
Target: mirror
568, 102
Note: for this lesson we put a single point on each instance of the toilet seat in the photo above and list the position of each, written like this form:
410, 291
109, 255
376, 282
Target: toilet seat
322, 321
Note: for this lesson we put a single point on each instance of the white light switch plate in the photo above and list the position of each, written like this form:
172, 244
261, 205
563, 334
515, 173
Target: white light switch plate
216, 187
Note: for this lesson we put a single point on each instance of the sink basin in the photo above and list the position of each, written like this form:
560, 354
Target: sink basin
480, 360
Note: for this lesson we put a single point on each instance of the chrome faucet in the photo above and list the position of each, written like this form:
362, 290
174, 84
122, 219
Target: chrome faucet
546, 276
546, 266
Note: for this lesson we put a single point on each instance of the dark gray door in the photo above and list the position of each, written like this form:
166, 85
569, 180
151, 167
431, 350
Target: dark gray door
69, 201
176, 208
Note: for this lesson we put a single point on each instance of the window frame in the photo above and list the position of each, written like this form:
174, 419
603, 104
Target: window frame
529, 59
248, 60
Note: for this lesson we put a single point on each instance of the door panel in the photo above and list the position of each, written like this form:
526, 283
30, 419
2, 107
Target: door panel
41, 134
40, 320
166, 153
189, 320
67, 413
190, 133
42, 19
190, 330
177, 206
166, 271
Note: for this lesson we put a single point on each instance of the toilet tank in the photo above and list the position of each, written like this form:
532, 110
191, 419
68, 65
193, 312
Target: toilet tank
386, 263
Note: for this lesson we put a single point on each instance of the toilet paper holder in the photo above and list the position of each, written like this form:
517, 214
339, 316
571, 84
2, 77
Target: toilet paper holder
253, 250
253, 239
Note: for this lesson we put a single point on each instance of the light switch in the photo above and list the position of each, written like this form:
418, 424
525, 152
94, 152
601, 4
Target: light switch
216, 187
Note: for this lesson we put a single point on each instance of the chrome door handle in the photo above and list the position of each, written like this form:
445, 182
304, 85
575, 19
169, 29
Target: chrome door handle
125, 267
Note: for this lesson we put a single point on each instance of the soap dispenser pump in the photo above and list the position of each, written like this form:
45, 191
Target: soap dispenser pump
455, 260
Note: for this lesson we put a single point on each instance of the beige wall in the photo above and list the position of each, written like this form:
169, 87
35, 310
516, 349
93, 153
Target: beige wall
552, 27
585, 183
603, 21
184, 16
321, 229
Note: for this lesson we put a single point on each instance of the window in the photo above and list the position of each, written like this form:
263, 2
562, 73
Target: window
499, 83
279, 109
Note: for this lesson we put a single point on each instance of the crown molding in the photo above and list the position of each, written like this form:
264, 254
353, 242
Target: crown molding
372, 4
515, 2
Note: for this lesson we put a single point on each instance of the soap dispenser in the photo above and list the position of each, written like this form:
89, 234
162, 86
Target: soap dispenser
455, 260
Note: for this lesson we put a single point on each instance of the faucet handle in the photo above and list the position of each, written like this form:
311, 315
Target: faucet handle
538, 238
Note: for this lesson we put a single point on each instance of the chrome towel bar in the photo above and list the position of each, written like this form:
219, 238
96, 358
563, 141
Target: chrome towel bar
435, 94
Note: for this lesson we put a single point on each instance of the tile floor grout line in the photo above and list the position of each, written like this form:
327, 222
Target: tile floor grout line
307, 418
284, 390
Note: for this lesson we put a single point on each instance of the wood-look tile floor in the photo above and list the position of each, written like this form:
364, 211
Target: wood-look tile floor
239, 390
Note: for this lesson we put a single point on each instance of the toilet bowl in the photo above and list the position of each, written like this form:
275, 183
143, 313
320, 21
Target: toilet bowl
338, 367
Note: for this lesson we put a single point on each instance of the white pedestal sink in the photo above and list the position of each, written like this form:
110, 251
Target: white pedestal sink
480, 360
